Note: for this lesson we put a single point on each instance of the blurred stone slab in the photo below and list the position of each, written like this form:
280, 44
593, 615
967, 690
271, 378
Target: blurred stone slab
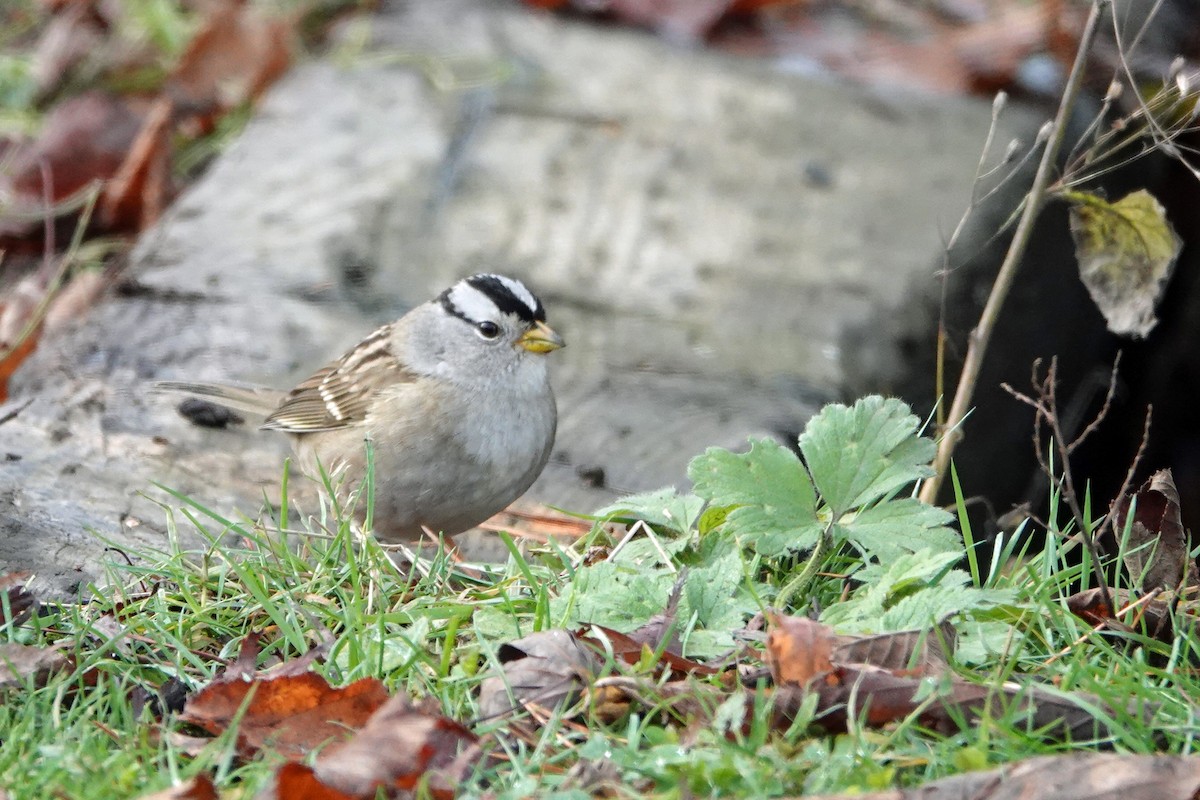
702, 230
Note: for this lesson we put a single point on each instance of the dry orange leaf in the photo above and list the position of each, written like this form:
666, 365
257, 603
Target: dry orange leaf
399, 745
137, 194
235, 56
296, 781
198, 788
22, 663
291, 714
798, 649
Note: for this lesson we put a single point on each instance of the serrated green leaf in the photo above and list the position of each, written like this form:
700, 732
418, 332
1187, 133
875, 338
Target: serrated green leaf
776, 505
624, 594
619, 596
711, 591
713, 518
892, 529
913, 591
981, 641
857, 455
664, 508
1126, 251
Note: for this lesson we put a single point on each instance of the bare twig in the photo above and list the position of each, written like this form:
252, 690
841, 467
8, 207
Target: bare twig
1127, 484
1045, 405
998, 104
1054, 134
1098, 420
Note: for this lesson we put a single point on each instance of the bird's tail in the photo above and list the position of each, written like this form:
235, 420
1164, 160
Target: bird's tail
251, 399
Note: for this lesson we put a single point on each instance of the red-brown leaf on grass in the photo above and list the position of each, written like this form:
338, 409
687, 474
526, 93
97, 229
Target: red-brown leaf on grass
236, 55
398, 747
11, 359
631, 650
525, 520
1149, 616
923, 652
544, 668
879, 697
1078, 776
22, 663
291, 714
21, 602
137, 194
198, 788
296, 781
83, 138
1157, 551
798, 649
245, 665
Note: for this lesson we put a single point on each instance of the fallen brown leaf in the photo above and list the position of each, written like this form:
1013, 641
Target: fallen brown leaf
879, 697
1157, 553
291, 714
296, 781
798, 649
83, 139
21, 664
542, 668
537, 522
137, 194
924, 652
1079, 776
631, 650
1150, 616
399, 746
198, 788
11, 359
21, 603
237, 54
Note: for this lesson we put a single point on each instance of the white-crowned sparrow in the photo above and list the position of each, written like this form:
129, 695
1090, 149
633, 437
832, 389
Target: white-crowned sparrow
454, 396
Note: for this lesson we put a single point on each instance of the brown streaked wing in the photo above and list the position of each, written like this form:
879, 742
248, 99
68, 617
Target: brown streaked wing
338, 395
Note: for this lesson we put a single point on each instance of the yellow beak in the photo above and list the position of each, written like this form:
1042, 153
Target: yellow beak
541, 338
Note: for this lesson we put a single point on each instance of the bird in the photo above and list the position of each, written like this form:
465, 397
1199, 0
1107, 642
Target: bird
454, 396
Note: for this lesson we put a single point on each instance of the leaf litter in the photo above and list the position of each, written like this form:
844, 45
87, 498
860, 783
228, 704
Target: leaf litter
358, 739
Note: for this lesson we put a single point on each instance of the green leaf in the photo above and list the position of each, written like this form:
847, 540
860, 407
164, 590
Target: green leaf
664, 508
620, 596
1126, 251
858, 454
889, 530
624, 594
713, 591
776, 505
914, 590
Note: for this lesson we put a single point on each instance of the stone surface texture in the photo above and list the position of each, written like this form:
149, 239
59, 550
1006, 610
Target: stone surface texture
702, 229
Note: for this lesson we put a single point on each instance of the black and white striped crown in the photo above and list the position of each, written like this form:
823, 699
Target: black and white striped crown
480, 296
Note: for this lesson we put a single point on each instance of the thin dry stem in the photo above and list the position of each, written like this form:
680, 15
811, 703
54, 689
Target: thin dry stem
1127, 484
1098, 420
998, 105
1045, 405
1035, 200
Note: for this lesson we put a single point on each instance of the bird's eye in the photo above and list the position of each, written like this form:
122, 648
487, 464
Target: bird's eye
488, 329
